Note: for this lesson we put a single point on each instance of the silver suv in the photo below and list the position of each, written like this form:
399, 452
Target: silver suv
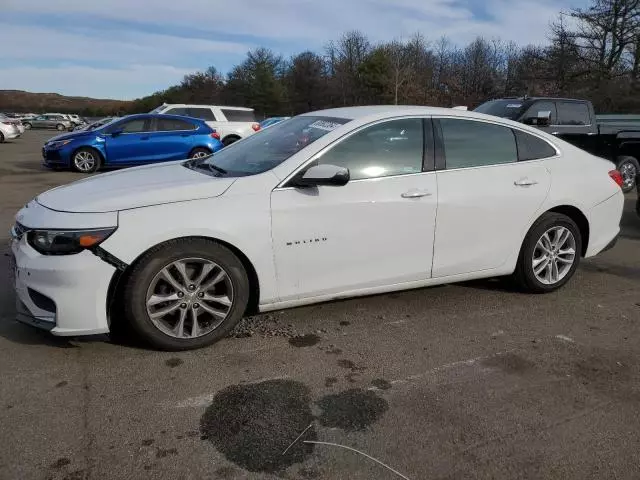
49, 121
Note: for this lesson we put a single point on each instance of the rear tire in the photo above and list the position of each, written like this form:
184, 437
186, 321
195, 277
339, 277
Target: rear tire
189, 300
85, 160
1, 137
199, 153
229, 140
60, 127
27, 125
629, 168
545, 263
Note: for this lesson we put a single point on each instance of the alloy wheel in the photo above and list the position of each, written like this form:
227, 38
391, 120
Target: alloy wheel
189, 298
628, 171
200, 154
84, 161
554, 255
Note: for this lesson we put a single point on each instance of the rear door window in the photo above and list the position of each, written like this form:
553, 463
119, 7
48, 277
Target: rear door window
202, 113
173, 124
239, 115
573, 113
133, 126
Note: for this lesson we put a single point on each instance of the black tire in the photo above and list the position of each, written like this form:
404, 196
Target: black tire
1, 137
629, 168
226, 141
524, 274
144, 271
198, 152
60, 127
76, 163
27, 125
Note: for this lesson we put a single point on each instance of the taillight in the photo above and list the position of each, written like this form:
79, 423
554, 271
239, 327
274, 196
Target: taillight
616, 176
215, 135
256, 127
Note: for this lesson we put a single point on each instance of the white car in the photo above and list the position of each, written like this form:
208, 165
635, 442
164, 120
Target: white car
231, 123
330, 204
10, 128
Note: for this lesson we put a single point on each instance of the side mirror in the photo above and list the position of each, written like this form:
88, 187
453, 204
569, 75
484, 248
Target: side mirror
115, 133
544, 118
330, 175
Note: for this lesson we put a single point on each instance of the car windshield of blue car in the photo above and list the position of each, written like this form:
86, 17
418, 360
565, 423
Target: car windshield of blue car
267, 148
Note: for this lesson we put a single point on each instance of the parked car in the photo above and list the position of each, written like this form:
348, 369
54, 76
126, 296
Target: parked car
132, 140
9, 128
10, 120
329, 204
615, 137
231, 123
272, 121
57, 122
76, 119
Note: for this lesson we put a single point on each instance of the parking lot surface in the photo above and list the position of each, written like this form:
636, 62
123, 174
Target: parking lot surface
471, 380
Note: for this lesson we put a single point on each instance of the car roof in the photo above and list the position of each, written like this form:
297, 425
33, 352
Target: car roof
162, 116
385, 111
191, 105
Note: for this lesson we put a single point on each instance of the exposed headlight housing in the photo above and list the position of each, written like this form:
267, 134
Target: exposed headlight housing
67, 242
58, 144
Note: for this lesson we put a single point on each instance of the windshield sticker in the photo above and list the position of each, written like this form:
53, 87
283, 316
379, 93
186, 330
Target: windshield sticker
514, 105
324, 125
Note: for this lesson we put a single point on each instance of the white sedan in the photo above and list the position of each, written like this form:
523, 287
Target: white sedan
330, 204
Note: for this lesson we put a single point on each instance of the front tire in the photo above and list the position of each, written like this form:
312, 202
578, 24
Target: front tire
550, 254
27, 125
629, 168
1, 137
187, 293
85, 160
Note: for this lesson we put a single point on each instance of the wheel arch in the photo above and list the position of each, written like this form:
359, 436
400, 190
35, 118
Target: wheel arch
118, 280
575, 214
230, 136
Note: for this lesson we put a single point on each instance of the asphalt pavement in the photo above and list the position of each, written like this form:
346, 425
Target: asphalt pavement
465, 381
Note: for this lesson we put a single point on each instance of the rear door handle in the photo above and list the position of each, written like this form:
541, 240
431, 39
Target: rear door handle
524, 183
414, 193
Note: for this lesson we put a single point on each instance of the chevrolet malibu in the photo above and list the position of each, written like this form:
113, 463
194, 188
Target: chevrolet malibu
331, 204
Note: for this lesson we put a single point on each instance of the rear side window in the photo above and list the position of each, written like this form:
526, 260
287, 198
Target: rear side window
202, 113
238, 115
133, 126
532, 148
170, 124
177, 111
470, 143
573, 113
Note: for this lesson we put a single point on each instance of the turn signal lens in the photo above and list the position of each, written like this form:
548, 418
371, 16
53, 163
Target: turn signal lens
616, 176
66, 242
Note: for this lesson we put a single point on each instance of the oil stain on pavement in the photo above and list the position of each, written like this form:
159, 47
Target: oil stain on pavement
308, 340
252, 425
351, 410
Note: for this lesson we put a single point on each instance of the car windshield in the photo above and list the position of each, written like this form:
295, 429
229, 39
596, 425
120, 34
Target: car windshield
268, 148
510, 108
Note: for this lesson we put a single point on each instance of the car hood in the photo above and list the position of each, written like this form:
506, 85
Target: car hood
71, 136
134, 188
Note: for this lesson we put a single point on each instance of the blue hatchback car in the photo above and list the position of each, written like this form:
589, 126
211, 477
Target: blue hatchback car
132, 140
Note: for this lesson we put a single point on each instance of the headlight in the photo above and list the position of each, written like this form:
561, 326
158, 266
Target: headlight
59, 143
67, 242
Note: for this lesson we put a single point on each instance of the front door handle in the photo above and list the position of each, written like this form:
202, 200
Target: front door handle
415, 194
525, 183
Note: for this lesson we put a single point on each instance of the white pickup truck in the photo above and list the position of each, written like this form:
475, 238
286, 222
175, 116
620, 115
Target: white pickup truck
231, 123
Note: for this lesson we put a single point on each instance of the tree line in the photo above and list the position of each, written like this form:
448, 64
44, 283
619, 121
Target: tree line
592, 53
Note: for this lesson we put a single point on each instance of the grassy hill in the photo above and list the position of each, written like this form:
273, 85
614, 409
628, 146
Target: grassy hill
21, 101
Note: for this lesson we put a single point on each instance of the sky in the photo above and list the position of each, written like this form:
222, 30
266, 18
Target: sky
126, 49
